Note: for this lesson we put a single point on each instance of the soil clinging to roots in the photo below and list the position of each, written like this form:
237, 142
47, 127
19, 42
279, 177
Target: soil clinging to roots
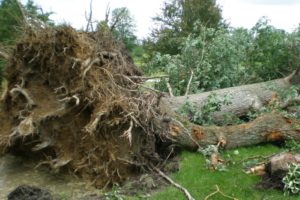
73, 100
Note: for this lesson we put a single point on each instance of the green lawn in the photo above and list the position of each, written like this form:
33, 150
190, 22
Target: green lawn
200, 181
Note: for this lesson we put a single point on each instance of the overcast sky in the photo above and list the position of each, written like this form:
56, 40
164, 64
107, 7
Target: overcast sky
284, 14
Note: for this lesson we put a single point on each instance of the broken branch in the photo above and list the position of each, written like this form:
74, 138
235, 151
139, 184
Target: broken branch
169, 88
189, 83
184, 190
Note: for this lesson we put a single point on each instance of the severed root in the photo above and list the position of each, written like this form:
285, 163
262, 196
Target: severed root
91, 128
76, 60
25, 128
55, 163
128, 133
220, 192
89, 66
184, 190
62, 90
69, 100
42, 145
22, 91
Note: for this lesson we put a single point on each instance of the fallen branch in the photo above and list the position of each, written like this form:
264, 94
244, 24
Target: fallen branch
169, 89
189, 83
220, 192
148, 77
184, 190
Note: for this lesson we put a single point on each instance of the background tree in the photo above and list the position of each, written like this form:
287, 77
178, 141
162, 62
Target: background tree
123, 27
178, 20
271, 54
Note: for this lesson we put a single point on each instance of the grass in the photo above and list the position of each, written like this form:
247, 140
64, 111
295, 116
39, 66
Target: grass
200, 181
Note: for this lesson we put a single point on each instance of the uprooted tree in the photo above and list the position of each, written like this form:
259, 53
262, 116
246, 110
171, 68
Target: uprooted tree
75, 101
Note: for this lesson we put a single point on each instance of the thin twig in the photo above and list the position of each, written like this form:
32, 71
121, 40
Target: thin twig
222, 193
184, 190
189, 83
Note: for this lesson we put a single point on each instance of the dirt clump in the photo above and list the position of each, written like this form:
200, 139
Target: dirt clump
73, 100
26, 192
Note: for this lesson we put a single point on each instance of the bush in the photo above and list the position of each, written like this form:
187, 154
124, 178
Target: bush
223, 57
292, 180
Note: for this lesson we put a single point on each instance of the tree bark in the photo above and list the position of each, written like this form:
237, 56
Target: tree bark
243, 98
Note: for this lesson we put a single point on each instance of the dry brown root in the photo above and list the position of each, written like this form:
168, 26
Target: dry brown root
25, 128
71, 100
18, 89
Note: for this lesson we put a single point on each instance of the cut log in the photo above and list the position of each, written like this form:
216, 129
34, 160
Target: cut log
275, 169
243, 98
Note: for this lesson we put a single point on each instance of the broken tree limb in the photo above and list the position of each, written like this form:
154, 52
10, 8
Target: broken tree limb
189, 83
243, 98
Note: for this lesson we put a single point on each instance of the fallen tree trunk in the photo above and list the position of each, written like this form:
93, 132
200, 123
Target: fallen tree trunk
242, 99
271, 127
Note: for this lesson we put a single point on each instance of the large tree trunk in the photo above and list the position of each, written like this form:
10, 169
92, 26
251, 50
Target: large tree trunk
243, 98
271, 127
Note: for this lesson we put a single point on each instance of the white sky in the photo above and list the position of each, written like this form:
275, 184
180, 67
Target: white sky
284, 14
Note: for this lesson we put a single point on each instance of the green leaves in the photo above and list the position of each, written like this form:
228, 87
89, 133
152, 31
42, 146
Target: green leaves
292, 180
204, 116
